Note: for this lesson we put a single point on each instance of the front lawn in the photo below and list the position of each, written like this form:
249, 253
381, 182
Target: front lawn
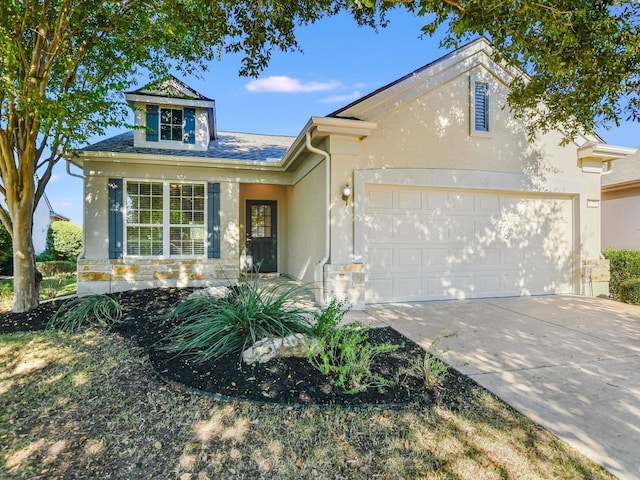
90, 405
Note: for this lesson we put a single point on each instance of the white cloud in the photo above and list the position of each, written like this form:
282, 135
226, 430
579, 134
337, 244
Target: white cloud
349, 97
284, 84
54, 178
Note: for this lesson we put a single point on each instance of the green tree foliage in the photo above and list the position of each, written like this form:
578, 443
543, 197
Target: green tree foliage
582, 57
5, 244
64, 64
64, 241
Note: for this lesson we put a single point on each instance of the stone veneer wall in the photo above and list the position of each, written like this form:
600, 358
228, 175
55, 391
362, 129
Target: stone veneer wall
106, 276
345, 283
595, 277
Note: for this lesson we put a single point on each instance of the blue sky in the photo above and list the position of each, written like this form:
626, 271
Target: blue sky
339, 63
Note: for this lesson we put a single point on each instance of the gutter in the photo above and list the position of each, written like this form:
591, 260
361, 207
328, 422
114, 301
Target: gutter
84, 238
319, 267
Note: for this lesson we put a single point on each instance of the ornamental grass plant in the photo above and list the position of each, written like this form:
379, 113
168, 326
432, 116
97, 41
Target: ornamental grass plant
86, 311
208, 327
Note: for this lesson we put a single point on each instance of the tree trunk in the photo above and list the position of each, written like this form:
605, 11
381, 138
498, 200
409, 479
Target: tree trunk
25, 281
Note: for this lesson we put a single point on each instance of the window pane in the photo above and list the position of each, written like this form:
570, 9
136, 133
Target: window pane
176, 133
261, 221
165, 132
165, 115
176, 117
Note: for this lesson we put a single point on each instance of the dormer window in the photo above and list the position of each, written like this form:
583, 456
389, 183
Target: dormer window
172, 124
480, 108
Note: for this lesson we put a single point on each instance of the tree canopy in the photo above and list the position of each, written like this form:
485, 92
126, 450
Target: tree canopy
64, 64
582, 58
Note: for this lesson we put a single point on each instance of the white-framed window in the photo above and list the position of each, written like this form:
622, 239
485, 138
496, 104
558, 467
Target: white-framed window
171, 124
165, 218
481, 109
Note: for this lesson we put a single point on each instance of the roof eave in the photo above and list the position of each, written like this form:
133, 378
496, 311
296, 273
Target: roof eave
175, 160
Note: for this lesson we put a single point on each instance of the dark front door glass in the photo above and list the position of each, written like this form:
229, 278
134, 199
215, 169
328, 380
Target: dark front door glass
262, 247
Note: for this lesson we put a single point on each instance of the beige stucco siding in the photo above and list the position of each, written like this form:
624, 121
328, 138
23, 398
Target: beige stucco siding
306, 224
97, 202
621, 219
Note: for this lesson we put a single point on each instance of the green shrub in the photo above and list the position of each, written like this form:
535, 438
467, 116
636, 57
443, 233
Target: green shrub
630, 291
88, 311
56, 267
625, 264
211, 327
5, 244
64, 241
430, 369
345, 351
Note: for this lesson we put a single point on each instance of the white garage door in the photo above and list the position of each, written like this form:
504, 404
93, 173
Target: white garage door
433, 244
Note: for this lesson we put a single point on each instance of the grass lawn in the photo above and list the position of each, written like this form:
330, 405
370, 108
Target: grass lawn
51, 287
89, 406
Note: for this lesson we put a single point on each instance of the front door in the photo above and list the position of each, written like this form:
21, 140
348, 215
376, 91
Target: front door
262, 246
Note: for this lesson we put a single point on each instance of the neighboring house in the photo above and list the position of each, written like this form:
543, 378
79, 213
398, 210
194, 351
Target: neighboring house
621, 204
425, 189
43, 216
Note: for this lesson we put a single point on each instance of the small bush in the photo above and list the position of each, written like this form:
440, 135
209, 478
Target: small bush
56, 267
64, 241
630, 291
211, 327
625, 264
430, 369
88, 311
345, 352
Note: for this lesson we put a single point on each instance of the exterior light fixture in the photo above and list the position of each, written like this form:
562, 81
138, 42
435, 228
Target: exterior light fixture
346, 193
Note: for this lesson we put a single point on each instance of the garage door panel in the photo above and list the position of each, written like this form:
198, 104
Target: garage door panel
409, 200
426, 244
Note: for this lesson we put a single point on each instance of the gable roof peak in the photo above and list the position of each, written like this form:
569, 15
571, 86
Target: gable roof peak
459, 55
170, 87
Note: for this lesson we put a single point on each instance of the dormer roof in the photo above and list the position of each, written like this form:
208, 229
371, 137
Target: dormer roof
169, 90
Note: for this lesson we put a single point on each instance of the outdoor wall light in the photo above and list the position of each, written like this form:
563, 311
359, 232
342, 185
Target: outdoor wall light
346, 193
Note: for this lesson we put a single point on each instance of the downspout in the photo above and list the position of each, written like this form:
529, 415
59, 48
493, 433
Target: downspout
84, 237
319, 267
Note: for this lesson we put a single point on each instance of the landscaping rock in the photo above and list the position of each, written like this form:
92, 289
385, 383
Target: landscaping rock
296, 345
215, 292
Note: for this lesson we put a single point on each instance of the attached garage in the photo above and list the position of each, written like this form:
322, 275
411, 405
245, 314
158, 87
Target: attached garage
424, 243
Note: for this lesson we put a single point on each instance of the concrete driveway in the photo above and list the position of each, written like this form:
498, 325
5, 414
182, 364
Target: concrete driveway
570, 363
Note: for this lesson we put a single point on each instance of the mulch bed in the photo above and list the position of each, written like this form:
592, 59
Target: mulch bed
291, 381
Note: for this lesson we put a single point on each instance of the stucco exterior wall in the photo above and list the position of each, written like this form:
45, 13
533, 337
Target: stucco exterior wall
97, 273
621, 219
306, 225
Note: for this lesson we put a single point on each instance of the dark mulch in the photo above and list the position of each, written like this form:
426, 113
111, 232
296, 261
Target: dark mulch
285, 380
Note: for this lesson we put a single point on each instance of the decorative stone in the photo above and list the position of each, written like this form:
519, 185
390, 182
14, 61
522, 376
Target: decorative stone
296, 345
215, 292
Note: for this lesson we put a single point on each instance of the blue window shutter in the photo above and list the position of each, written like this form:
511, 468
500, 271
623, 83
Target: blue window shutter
116, 221
189, 125
481, 107
213, 220
152, 123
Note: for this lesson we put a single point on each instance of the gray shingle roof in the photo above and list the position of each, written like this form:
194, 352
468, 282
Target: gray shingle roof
624, 170
170, 87
228, 146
